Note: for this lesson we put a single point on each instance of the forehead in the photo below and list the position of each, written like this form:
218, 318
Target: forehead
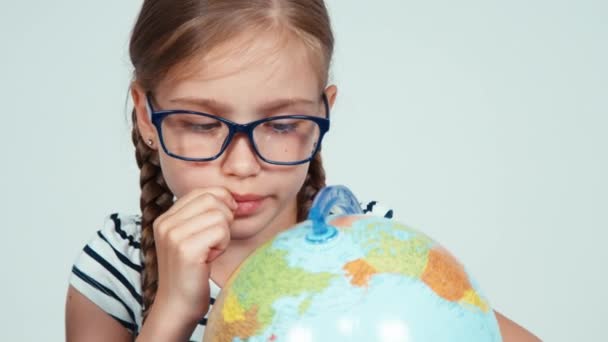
249, 68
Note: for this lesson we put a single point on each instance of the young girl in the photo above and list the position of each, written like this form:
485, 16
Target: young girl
231, 104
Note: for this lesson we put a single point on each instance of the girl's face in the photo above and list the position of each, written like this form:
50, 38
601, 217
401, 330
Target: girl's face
243, 80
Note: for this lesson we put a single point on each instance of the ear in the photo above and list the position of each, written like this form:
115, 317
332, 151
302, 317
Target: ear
331, 92
144, 124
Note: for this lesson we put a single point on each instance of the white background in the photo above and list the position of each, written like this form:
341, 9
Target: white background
482, 123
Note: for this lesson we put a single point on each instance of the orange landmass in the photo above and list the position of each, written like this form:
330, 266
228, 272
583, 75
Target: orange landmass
445, 275
346, 221
226, 332
360, 271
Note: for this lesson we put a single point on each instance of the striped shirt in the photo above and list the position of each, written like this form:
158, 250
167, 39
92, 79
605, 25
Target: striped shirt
108, 270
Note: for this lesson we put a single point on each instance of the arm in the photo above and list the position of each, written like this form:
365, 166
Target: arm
85, 321
512, 332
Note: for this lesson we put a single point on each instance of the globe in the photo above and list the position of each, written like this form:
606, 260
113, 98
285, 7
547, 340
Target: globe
345, 276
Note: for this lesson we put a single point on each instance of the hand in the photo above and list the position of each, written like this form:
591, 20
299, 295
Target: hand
191, 234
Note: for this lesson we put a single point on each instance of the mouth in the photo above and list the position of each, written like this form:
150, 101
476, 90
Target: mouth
248, 204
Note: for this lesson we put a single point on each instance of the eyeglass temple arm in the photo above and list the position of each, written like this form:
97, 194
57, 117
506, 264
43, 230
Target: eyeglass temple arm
149, 105
326, 104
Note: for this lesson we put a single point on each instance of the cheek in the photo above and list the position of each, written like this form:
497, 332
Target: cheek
293, 179
182, 177
170, 172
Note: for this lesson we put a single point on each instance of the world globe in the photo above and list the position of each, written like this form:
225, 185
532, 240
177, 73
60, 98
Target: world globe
345, 276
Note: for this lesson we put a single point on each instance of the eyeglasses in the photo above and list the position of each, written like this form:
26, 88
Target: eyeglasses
280, 140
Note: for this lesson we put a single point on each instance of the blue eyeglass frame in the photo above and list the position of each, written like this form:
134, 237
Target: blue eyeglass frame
234, 128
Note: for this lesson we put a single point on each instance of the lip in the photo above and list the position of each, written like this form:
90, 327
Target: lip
248, 204
247, 197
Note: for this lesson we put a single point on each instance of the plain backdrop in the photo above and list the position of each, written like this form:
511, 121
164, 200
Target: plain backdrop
482, 123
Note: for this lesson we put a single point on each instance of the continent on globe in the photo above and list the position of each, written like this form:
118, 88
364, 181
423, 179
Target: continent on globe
437, 267
377, 280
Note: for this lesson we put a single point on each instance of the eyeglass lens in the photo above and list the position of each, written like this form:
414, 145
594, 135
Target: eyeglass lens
279, 140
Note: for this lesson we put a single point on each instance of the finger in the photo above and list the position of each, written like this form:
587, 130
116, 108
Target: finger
176, 235
167, 219
199, 205
207, 209
215, 240
219, 192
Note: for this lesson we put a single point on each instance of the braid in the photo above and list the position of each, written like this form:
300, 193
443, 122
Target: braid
156, 198
315, 180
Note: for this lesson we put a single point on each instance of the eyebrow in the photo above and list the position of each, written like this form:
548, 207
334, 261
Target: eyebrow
214, 105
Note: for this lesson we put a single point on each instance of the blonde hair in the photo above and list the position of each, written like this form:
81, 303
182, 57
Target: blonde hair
168, 34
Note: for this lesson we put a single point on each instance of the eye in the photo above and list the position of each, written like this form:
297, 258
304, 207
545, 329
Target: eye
195, 123
204, 127
283, 126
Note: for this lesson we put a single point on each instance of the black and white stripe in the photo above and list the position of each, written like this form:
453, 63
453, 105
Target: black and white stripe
108, 271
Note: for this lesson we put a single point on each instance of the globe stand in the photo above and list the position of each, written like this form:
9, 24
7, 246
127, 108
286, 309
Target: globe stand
331, 200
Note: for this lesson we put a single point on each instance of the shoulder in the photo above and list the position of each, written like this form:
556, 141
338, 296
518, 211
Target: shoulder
108, 269
119, 241
122, 231
512, 332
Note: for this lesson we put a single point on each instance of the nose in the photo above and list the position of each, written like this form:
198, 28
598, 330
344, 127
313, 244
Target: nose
240, 158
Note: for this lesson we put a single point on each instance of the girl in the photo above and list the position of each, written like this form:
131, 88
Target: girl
231, 104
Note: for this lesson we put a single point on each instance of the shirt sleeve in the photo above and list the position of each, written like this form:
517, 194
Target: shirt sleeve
108, 270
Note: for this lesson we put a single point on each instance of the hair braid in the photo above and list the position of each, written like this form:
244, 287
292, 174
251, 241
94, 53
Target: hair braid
315, 180
156, 198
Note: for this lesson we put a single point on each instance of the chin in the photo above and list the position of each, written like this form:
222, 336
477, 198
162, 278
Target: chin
245, 228
250, 227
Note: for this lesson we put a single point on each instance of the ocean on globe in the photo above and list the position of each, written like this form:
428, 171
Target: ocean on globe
376, 280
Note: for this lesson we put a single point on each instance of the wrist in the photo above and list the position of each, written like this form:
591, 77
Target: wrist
166, 322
